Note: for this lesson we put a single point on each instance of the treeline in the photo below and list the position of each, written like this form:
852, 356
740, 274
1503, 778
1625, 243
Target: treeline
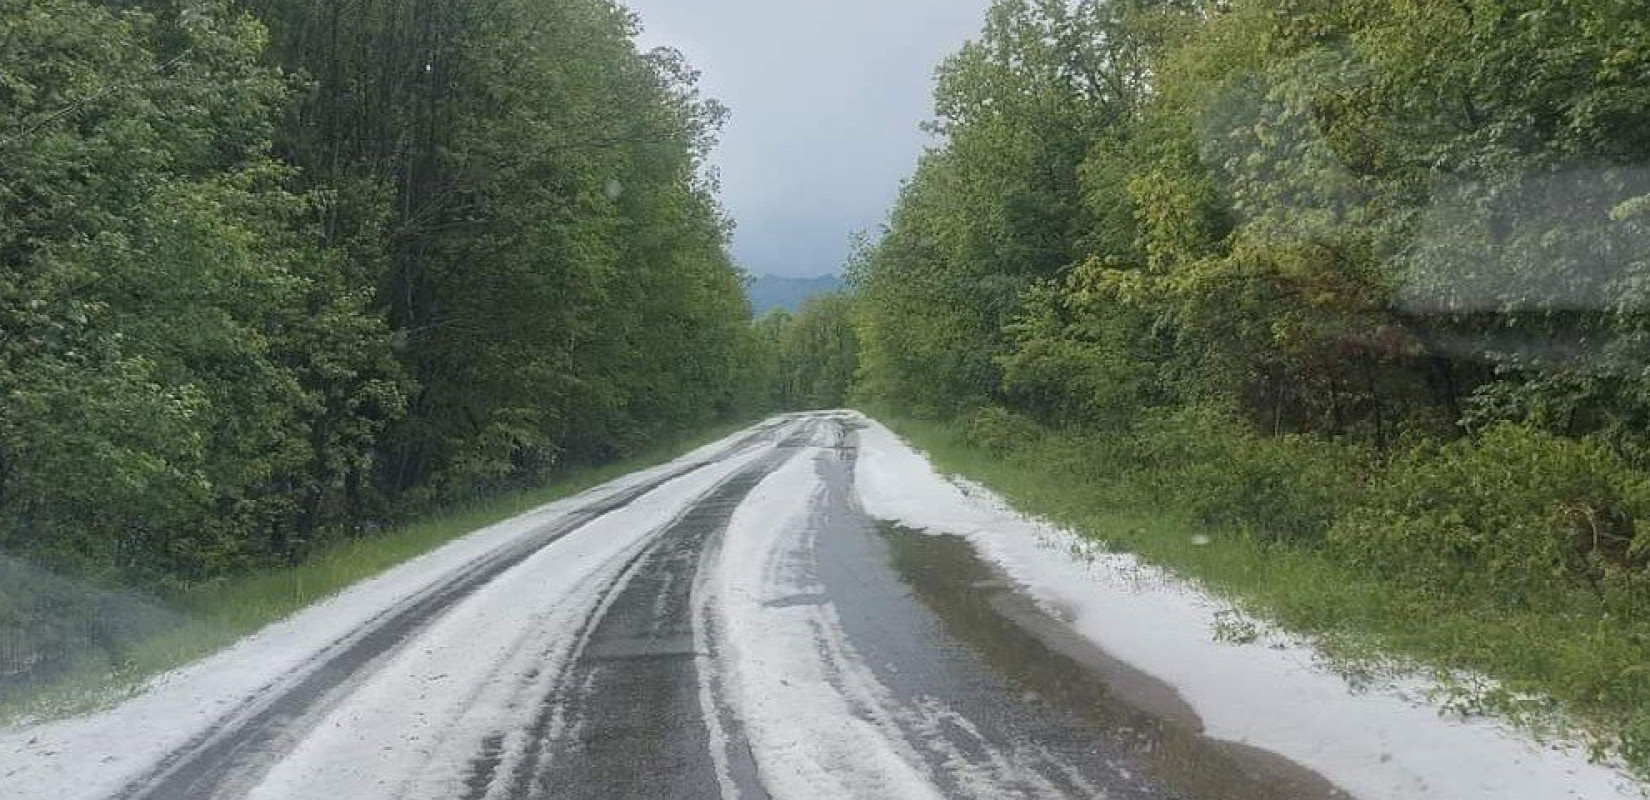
1365, 279
274, 272
807, 360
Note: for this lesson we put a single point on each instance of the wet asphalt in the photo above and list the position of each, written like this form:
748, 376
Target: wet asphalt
1025, 701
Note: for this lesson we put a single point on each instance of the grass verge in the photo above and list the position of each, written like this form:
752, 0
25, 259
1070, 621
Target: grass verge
1562, 674
212, 616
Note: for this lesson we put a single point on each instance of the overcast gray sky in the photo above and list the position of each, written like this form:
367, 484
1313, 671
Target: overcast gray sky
826, 98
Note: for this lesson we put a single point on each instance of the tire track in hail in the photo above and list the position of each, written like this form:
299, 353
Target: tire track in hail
232, 754
625, 717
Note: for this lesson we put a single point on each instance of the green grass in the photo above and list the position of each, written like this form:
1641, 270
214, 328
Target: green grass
1576, 676
215, 615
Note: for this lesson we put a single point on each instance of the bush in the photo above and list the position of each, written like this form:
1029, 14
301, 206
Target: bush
1516, 516
1000, 431
1211, 464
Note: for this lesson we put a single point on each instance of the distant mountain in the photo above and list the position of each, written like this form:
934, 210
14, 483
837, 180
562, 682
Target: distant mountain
768, 292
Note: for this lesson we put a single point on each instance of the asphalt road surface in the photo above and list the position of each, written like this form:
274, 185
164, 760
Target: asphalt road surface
732, 624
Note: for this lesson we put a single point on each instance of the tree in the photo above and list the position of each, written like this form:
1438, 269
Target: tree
167, 404
1001, 205
271, 271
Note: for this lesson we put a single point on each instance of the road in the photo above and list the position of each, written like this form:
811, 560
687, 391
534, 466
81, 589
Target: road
734, 624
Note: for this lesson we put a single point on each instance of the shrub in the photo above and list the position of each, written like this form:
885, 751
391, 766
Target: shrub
1000, 431
1212, 465
1516, 516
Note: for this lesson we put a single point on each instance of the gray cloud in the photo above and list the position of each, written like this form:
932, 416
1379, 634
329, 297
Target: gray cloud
826, 98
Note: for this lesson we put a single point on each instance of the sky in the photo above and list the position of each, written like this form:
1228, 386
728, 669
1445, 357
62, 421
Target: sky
826, 97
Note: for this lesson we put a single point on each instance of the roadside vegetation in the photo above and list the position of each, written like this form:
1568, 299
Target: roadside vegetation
1337, 306
278, 277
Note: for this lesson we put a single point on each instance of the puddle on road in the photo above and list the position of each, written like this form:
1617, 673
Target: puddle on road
1050, 664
